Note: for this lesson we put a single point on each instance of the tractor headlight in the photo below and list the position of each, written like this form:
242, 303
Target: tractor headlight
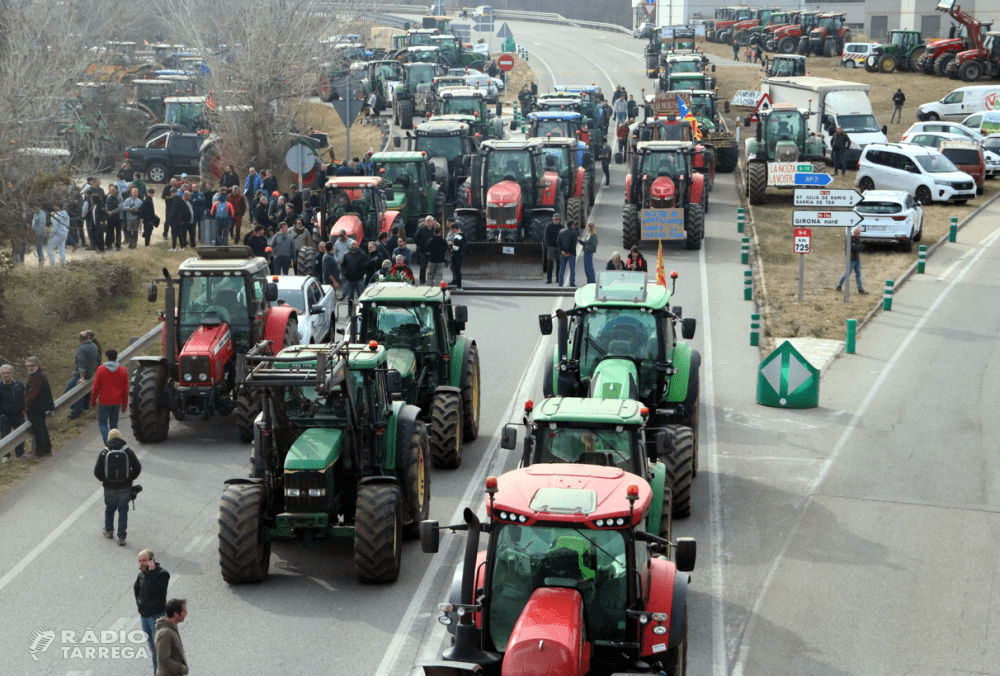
202, 377
460, 611
445, 620
445, 607
620, 521
659, 629
659, 617
599, 522
293, 492
187, 377
317, 492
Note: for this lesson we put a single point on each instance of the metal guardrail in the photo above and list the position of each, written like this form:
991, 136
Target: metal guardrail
23, 433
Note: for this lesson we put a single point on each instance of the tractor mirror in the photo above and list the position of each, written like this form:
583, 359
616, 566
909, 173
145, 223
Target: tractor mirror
688, 326
430, 538
461, 314
508, 440
746, 121
545, 324
664, 446
725, 107
396, 141
685, 553
340, 332
271, 292
390, 195
885, 130
151, 292
394, 383
713, 70
677, 310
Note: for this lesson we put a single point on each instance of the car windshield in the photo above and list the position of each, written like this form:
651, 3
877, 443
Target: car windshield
588, 560
585, 446
936, 164
992, 144
858, 124
211, 298
440, 146
294, 297
405, 326
867, 207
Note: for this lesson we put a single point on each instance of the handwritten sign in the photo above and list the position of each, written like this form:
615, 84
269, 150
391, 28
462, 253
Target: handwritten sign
662, 224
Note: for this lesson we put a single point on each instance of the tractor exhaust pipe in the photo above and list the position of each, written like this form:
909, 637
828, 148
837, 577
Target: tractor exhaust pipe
563, 336
170, 324
467, 634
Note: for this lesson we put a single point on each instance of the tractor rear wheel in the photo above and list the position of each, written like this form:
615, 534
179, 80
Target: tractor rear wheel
470, 395
630, 226
886, 63
694, 226
247, 410
418, 482
678, 458
378, 533
830, 47
574, 211
692, 406
150, 421
941, 64
728, 159
757, 182
446, 429
970, 71
913, 63
803, 46
304, 261
666, 510
469, 227
406, 114
536, 227
244, 556
871, 64
547, 368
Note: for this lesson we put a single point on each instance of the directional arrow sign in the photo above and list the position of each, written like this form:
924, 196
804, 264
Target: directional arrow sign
813, 179
843, 219
827, 198
787, 380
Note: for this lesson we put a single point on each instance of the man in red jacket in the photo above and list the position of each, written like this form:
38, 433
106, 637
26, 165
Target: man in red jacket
110, 392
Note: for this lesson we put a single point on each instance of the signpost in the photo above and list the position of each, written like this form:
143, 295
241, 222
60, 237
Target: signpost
763, 106
845, 219
505, 62
300, 160
801, 246
825, 219
827, 198
786, 173
813, 179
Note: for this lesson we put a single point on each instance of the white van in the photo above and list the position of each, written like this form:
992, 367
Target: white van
855, 53
985, 122
962, 102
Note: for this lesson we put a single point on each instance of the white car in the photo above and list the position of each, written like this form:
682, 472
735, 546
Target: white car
932, 139
488, 84
890, 216
315, 303
923, 172
943, 128
991, 146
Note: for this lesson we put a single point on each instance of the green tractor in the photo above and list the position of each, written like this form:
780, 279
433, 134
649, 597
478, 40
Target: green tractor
619, 341
782, 138
414, 96
603, 432
453, 53
416, 192
457, 101
715, 130
902, 52
381, 77
336, 456
422, 332
449, 145
681, 82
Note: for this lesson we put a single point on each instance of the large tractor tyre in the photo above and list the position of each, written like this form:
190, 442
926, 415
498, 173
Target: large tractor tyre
830, 48
871, 64
150, 421
651, 69
694, 226
666, 510
574, 211
678, 458
886, 64
970, 71
819, 166
927, 65
770, 46
468, 225
915, 59
675, 663
446, 429
247, 410
304, 260
742, 38
692, 404
417, 476
210, 158
439, 201
537, 225
757, 182
291, 333
156, 173
470, 396
243, 554
406, 114
802, 46
630, 226
787, 45
547, 369
726, 37
378, 533
728, 159
941, 64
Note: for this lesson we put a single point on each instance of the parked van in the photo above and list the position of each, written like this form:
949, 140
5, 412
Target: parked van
968, 157
986, 122
923, 172
855, 53
962, 102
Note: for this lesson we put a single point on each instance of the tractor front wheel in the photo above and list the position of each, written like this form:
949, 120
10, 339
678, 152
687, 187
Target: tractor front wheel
630, 226
886, 63
150, 421
418, 482
470, 395
694, 226
304, 261
468, 225
378, 533
574, 211
247, 410
830, 48
677, 456
970, 71
446, 429
757, 182
537, 226
243, 554
406, 114
675, 663
941, 64
291, 333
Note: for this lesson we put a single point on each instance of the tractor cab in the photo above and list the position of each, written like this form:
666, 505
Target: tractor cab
665, 170
555, 123
565, 102
421, 37
186, 113
785, 130
357, 205
786, 65
422, 54
684, 81
590, 108
472, 102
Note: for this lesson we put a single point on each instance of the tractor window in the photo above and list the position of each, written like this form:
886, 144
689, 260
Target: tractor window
663, 164
556, 128
590, 561
402, 175
616, 332
405, 326
604, 447
464, 106
203, 298
423, 74
184, 114
555, 160
507, 164
701, 106
440, 146
783, 127
684, 67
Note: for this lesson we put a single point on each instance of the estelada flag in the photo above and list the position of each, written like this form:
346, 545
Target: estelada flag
661, 277
687, 116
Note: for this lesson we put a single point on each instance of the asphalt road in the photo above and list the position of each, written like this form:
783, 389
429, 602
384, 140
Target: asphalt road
855, 538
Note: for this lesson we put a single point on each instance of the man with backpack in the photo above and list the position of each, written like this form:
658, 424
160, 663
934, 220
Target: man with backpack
224, 214
110, 393
117, 467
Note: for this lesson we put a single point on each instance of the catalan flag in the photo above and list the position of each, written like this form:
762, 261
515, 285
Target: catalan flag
661, 277
687, 116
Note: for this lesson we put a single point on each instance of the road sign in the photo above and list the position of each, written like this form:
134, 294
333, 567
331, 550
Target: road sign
782, 173
300, 158
505, 62
803, 239
843, 219
787, 380
813, 179
650, 7
484, 23
504, 31
827, 198
763, 106
348, 109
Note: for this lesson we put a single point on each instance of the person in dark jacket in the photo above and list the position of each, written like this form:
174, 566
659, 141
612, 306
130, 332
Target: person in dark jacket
113, 209
229, 178
420, 239
270, 183
615, 262
260, 216
37, 402
437, 253
839, 143
632, 108
856, 248
151, 596
330, 270
88, 358
898, 99
355, 271
148, 215
11, 407
550, 239
605, 158
636, 261
567, 253
117, 493
257, 241
457, 254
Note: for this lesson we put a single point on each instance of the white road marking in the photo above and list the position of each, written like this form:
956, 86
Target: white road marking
744, 648
193, 544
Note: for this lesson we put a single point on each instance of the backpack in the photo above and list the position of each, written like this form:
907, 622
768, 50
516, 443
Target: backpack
116, 465
222, 210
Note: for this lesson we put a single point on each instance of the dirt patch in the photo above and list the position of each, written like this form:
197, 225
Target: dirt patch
520, 75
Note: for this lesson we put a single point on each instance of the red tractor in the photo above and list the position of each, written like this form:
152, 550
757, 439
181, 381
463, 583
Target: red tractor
786, 40
357, 205
940, 53
724, 29
974, 63
671, 129
224, 310
664, 195
828, 36
767, 33
741, 31
570, 582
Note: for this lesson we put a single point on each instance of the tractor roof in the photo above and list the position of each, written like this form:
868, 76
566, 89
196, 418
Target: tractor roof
573, 494
561, 142
354, 182
590, 89
400, 156
568, 95
589, 411
361, 355
222, 258
392, 292
184, 99
512, 145
555, 115
665, 146
445, 124
463, 93
623, 290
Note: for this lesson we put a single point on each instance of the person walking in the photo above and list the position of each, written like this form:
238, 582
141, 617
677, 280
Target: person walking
748, 54
633, 109
437, 253
898, 99
758, 54
839, 143
856, 248
37, 402
239, 209
589, 249
11, 407
283, 250
567, 253
457, 254
85, 363
151, 596
132, 209
150, 220
736, 51
605, 157
58, 235
109, 393
330, 269
116, 468
550, 241
170, 660
621, 109
355, 271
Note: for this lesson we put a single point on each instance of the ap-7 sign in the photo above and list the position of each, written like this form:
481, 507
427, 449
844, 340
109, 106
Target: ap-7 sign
803, 238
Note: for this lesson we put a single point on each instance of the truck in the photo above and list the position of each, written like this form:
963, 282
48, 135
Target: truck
835, 103
168, 154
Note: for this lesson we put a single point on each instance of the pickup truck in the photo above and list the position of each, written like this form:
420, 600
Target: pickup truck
315, 304
169, 154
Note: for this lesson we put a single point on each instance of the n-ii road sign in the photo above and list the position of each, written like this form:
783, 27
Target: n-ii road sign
827, 198
787, 380
843, 219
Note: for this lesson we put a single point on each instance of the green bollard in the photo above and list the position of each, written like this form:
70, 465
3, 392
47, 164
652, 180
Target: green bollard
748, 285
852, 330
887, 298
953, 229
922, 258
745, 251
755, 329
741, 220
